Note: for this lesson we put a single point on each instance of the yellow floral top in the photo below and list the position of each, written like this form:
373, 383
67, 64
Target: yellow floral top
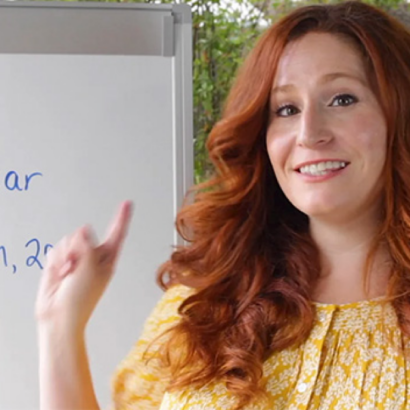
354, 358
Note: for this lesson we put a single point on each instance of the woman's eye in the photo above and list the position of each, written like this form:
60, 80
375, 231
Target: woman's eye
286, 111
344, 100
341, 100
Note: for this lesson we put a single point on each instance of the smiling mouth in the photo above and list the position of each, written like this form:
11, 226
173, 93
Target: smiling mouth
322, 168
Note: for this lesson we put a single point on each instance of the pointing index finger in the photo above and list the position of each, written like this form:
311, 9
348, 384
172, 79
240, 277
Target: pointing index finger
118, 230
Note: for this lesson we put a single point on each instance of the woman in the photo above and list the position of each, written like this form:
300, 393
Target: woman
293, 292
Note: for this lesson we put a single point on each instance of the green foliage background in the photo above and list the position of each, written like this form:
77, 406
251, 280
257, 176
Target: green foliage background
223, 33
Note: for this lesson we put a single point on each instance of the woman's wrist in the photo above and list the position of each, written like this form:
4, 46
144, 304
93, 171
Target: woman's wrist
60, 331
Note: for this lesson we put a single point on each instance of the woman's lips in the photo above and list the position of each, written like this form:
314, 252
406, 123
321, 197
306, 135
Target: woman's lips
319, 178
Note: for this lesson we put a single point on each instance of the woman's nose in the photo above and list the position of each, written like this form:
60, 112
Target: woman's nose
313, 128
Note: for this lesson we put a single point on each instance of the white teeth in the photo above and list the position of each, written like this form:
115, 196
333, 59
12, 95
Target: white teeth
322, 168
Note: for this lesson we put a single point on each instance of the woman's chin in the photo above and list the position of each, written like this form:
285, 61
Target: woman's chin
322, 211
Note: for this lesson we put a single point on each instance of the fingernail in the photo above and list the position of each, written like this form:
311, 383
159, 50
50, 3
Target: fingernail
131, 205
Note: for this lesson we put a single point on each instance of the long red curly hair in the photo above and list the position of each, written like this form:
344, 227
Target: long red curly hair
249, 255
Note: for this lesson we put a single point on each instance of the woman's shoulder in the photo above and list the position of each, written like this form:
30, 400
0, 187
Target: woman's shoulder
176, 294
166, 309
165, 313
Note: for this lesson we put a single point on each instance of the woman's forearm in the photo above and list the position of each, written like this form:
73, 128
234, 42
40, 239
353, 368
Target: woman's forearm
65, 377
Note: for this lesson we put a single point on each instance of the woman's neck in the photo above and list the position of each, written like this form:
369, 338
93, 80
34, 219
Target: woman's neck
343, 250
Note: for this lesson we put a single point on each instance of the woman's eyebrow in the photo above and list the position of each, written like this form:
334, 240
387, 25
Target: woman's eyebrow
324, 79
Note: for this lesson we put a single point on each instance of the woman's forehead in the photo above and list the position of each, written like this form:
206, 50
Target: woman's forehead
318, 56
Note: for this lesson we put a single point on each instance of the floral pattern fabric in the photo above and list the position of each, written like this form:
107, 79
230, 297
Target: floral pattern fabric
355, 358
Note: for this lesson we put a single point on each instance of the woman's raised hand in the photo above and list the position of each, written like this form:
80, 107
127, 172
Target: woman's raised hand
77, 273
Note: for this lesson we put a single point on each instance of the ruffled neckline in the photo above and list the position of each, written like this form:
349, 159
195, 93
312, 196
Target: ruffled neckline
352, 305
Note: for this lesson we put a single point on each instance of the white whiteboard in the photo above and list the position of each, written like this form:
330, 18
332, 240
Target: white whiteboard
80, 132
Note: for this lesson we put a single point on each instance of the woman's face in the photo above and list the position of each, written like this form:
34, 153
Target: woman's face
327, 134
